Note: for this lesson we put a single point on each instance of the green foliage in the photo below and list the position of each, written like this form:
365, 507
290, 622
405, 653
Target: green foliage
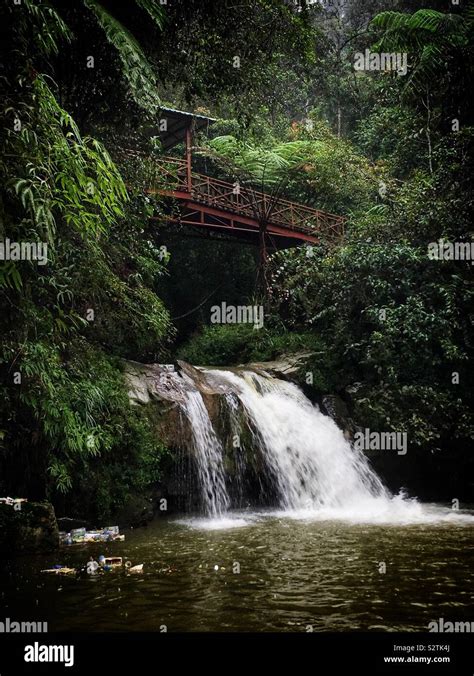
437, 42
48, 28
69, 416
155, 10
197, 54
50, 172
136, 69
396, 326
332, 175
392, 134
315, 167
222, 345
83, 423
264, 167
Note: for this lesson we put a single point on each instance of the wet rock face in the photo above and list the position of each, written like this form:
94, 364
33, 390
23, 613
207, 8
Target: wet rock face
153, 381
31, 530
138, 510
285, 367
335, 407
162, 390
166, 382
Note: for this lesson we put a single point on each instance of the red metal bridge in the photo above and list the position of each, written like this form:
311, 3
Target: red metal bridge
211, 203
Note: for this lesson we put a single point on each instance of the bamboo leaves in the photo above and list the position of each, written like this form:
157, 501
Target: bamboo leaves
136, 68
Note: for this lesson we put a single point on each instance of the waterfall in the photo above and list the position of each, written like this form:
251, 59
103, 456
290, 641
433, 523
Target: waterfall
311, 467
208, 454
310, 462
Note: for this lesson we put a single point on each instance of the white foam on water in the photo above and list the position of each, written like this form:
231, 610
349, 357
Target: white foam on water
227, 522
399, 511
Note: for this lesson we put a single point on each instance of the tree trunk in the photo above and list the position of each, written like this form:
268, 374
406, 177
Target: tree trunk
262, 279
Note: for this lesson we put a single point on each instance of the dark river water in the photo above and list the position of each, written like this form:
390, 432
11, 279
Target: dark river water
274, 573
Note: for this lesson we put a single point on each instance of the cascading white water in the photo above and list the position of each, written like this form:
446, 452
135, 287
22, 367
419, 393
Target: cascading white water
208, 454
316, 472
307, 455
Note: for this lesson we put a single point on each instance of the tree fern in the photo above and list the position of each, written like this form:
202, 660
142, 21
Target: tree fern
263, 166
430, 38
405, 27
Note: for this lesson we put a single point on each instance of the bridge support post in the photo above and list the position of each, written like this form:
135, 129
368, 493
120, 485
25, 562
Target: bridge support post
189, 145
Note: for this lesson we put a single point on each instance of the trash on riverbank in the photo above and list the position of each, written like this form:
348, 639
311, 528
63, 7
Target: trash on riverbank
113, 561
60, 570
83, 536
13, 502
105, 564
168, 570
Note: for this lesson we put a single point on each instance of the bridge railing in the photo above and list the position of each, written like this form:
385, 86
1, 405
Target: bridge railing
241, 200
262, 206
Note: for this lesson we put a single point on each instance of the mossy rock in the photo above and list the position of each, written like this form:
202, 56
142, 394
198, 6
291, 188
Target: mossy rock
29, 530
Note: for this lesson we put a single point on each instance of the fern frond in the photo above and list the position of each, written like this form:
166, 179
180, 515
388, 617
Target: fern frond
263, 166
429, 37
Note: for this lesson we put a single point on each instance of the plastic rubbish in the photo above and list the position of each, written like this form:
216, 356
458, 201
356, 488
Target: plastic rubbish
60, 570
113, 561
92, 567
113, 530
78, 531
83, 536
13, 501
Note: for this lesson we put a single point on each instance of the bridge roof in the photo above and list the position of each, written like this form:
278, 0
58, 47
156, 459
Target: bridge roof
177, 123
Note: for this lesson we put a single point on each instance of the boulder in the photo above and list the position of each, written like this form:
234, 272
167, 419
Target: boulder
286, 367
30, 530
